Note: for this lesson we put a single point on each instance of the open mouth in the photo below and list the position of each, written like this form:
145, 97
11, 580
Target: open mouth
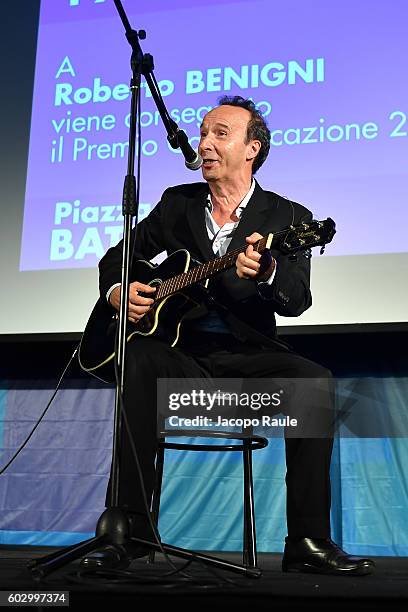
209, 162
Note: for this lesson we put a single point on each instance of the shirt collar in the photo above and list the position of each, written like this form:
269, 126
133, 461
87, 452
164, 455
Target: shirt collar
241, 205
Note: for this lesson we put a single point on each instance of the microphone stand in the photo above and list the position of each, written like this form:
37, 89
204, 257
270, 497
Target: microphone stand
113, 524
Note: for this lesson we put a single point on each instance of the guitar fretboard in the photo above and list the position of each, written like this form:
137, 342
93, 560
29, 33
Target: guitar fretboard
205, 270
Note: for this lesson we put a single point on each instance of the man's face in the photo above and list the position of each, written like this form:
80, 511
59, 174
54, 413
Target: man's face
222, 144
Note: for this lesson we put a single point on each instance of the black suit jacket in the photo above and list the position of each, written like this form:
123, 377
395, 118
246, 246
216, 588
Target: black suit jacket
178, 222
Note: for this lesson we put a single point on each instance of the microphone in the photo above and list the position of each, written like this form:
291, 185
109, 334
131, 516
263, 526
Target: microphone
193, 160
195, 163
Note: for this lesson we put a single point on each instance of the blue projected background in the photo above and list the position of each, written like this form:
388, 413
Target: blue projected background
334, 100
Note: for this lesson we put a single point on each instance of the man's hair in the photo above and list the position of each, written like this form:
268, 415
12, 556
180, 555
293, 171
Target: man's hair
257, 128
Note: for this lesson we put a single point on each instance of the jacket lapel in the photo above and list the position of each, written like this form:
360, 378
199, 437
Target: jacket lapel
254, 215
196, 221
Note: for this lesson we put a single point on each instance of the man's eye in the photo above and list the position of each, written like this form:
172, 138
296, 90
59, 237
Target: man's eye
222, 133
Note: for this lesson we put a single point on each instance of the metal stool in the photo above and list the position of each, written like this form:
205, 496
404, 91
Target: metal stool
249, 442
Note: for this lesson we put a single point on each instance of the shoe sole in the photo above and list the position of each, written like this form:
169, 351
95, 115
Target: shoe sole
311, 569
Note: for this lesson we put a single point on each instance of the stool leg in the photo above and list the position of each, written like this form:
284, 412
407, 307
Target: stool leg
155, 511
249, 556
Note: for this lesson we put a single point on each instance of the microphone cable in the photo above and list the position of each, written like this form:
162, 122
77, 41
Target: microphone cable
3, 469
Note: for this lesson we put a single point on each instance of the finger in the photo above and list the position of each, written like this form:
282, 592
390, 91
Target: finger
140, 300
133, 316
136, 289
135, 319
138, 309
251, 254
250, 263
243, 260
144, 288
253, 238
248, 272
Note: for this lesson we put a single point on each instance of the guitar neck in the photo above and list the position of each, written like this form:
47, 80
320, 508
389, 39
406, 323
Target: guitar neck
208, 269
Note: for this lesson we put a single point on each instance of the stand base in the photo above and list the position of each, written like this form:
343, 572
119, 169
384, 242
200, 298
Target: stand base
41, 568
113, 528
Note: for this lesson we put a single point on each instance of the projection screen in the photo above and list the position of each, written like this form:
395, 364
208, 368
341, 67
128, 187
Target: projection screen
329, 79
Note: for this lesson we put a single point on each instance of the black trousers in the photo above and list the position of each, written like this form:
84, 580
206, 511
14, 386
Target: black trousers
307, 459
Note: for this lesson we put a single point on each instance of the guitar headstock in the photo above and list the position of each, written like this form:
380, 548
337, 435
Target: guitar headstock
307, 235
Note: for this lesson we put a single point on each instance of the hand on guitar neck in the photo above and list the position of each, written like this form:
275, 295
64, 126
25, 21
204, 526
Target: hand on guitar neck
254, 265
138, 304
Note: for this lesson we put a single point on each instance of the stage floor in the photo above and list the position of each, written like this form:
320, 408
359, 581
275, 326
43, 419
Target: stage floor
148, 584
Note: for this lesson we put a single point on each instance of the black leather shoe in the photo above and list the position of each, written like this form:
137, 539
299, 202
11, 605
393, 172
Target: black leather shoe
113, 556
322, 557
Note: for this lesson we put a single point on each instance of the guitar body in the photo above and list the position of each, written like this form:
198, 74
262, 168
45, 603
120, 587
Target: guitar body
97, 348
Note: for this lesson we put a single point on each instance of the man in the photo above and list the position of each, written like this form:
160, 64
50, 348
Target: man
238, 339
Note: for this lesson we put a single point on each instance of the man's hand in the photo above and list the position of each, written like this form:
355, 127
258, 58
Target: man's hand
248, 265
138, 304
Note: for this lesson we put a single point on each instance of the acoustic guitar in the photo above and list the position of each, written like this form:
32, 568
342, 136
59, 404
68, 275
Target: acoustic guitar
180, 282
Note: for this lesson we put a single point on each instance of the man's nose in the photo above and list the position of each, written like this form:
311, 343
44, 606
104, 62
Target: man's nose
205, 143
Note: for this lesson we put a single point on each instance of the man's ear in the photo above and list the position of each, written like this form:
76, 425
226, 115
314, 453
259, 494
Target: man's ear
253, 149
